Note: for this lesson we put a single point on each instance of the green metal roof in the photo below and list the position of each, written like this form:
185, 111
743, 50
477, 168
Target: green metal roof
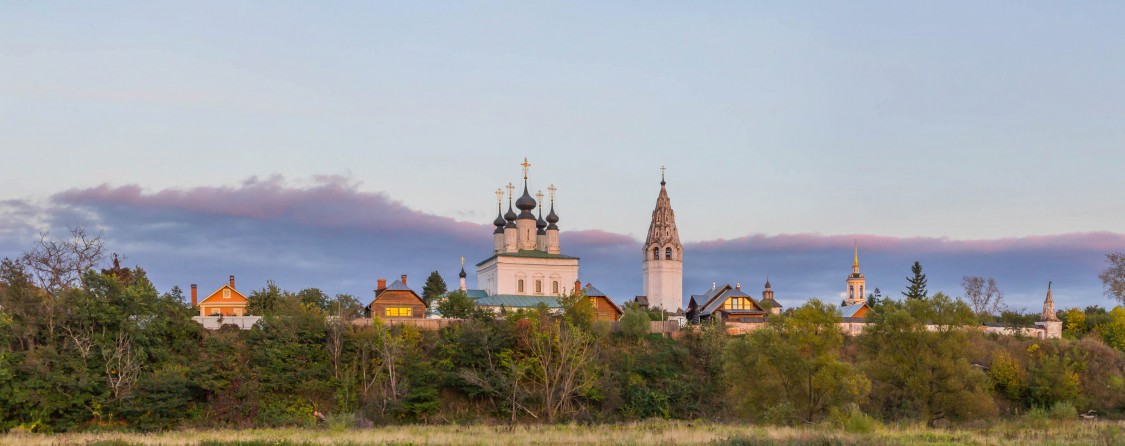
528, 253
518, 301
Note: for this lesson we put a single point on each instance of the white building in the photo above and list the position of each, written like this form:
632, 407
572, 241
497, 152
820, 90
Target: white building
663, 264
527, 258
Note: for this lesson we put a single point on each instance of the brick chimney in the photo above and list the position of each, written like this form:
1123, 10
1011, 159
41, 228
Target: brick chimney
232, 281
404, 279
194, 295
577, 286
382, 285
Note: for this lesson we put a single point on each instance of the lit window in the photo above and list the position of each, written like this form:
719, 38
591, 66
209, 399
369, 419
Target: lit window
399, 311
555, 287
226, 293
519, 286
538, 287
737, 303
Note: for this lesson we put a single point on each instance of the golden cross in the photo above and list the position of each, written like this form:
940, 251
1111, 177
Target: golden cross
539, 195
662, 175
525, 166
499, 195
552, 190
510, 189
462, 261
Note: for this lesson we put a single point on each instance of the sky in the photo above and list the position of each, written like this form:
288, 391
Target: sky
327, 144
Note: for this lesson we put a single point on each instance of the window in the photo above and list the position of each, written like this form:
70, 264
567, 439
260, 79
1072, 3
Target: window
538, 287
737, 303
655, 253
668, 253
226, 293
399, 311
519, 286
555, 287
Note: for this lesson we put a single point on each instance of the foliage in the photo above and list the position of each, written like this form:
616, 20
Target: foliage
794, 361
917, 283
1007, 375
1113, 276
456, 305
634, 322
916, 355
434, 288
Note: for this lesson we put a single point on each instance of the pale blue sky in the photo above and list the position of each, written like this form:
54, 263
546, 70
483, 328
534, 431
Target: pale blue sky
960, 119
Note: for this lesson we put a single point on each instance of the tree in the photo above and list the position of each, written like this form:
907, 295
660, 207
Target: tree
1113, 277
578, 310
456, 305
917, 287
634, 322
985, 298
434, 288
792, 369
263, 301
562, 363
933, 382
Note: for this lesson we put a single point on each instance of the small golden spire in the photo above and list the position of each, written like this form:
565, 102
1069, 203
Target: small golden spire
525, 166
462, 261
552, 190
855, 260
511, 187
499, 196
539, 195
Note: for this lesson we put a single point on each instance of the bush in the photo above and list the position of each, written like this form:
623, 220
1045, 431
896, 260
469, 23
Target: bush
634, 323
1062, 410
340, 421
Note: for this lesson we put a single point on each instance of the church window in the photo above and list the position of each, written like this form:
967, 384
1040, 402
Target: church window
226, 293
668, 253
555, 287
655, 253
519, 286
399, 311
538, 287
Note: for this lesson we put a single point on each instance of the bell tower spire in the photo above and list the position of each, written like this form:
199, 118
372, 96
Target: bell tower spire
663, 255
857, 284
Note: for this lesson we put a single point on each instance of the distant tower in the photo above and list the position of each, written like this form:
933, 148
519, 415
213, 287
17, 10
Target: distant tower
1049, 320
663, 265
462, 275
857, 284
768, 301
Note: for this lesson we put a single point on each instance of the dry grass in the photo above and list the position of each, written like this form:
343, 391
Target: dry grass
644, 433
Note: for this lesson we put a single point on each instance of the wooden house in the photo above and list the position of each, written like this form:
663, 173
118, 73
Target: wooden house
606, 309
396, 301
725, 303
225, 301
855, 311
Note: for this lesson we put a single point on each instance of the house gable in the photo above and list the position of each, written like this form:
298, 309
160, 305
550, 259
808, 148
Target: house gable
221, 296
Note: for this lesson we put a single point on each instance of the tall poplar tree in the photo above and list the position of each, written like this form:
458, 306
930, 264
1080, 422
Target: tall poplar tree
917, 287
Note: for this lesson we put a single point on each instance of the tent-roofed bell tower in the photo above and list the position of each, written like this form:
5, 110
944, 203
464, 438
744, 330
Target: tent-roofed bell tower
663, 264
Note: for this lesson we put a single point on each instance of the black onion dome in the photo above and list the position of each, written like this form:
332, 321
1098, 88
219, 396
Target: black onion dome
552, 218
510, 216
768, 283
540, 223
499, 222
525, 203
462, 274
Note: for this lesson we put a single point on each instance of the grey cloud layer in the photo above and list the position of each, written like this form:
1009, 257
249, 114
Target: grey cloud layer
332, 235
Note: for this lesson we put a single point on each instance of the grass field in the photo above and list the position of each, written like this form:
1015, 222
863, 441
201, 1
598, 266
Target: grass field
646, 433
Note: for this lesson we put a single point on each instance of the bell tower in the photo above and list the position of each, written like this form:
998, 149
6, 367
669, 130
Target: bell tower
663, 264
857, 284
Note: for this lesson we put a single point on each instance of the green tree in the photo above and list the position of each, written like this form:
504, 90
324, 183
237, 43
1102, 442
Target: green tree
578, 310
917, 287
434, 288
634, 322
263, 301
791, 370
456, 305
915, 353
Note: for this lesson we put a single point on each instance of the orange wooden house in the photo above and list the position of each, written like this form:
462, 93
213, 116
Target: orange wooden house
396, 301
225, 301
606, 309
